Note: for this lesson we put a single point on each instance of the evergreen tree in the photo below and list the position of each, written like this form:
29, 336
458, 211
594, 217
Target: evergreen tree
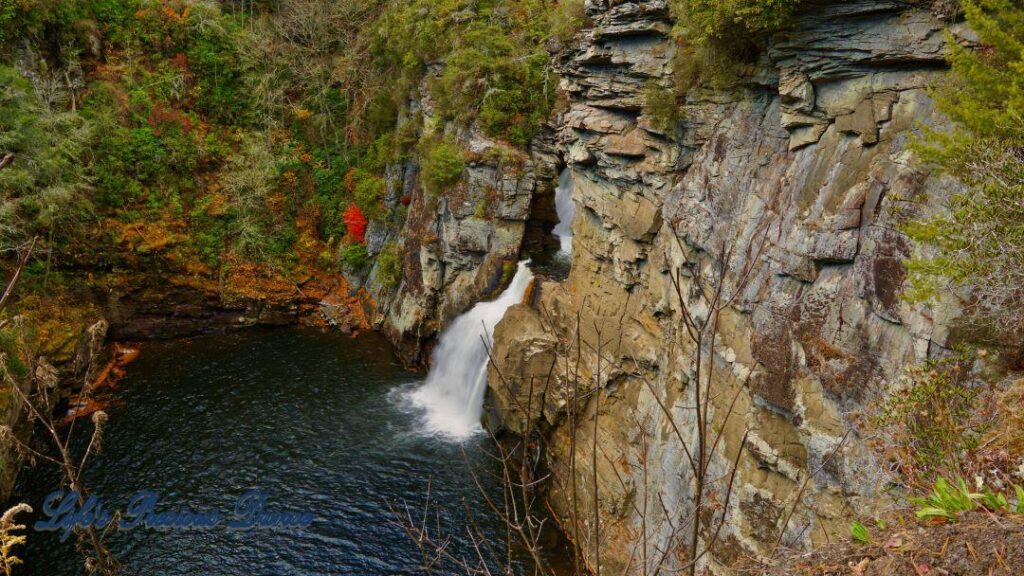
981, 236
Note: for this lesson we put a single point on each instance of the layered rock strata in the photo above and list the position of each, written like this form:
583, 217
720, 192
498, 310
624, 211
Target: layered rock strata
790, 188
460, 246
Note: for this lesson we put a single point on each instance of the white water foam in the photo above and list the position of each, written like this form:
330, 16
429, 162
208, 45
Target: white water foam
565, 208
453, 395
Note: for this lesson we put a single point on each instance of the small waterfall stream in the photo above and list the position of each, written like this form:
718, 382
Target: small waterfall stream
565, 208
453, 394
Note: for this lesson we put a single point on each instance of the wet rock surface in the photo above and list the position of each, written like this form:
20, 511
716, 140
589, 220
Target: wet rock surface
146, 307
796, 184
457, 247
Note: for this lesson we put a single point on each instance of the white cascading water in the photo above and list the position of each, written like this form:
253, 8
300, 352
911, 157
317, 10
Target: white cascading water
453, 395
565, 208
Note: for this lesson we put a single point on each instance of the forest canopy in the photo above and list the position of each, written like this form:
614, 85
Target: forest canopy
212, 131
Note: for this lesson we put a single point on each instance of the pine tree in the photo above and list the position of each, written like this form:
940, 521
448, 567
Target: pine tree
980, 239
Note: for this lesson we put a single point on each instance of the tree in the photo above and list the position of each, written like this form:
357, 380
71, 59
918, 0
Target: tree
980, 239
249, 179
44, 192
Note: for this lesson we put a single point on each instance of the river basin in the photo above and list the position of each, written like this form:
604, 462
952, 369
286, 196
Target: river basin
316, 421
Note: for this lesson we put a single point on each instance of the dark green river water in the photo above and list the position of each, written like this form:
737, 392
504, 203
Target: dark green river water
316, 421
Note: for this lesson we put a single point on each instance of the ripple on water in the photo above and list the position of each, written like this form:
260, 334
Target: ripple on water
318, 422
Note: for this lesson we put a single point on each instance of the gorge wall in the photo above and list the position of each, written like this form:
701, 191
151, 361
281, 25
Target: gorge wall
794, 184
786, 189
460, 246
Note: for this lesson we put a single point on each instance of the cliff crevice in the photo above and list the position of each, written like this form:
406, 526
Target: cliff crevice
791, 188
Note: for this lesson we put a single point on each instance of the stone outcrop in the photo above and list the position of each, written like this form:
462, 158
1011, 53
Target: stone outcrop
144, 306
457, 247
794, 184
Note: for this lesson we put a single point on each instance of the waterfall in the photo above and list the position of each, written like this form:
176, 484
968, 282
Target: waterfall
565, 208
453, 395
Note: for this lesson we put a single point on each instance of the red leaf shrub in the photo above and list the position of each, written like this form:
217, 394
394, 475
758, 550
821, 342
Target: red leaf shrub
355, 222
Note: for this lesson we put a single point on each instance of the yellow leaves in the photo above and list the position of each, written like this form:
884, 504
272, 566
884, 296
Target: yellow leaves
8, 539
308, 247
173, 15
57, 320
195, 267
148, 237
257, 282
217, 204
289, 179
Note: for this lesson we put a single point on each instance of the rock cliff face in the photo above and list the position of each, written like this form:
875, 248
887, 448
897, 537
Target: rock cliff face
461, 246
790, 189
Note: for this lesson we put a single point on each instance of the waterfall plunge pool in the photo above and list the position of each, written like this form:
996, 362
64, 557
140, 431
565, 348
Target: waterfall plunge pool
319, 423
316, 421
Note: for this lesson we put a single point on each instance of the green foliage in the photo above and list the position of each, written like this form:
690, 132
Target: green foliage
251, 180
38, 275
859, 533
566, 19
222, 133
661, 106
354, 256
705, 20
44, 190
389, 266
215, 61
945, 502
495, 61
130, 161
368, 191
718, 37
10, 348
153, 133
8, 11
61, 20
948, 501
210, 230
442, 164
930, 418
992, 501
980, 240
508, 271
481, 208
328, 173
705, 64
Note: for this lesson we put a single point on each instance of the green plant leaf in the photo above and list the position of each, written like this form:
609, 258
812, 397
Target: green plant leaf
993, 501
860, 533
931, 512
